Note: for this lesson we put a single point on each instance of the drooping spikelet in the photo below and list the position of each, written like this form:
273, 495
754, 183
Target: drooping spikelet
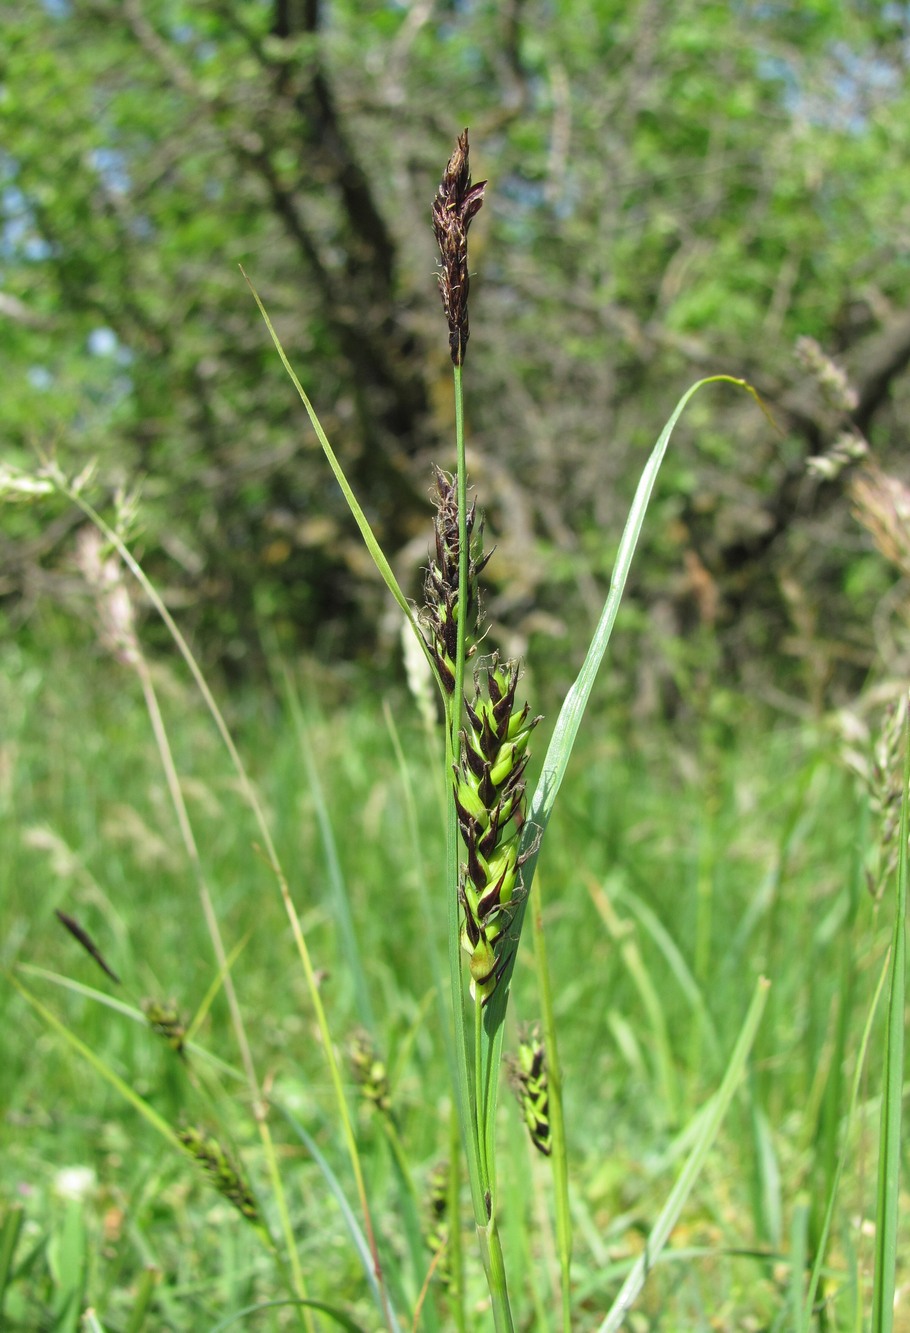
489, 799
438, 1229
441, 583
220, 1170
531, 1084
370, 1072
457, 202
163, 1017
79, 933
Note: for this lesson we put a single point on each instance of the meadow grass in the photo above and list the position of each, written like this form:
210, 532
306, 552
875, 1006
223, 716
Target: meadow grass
310, 1057
676, 873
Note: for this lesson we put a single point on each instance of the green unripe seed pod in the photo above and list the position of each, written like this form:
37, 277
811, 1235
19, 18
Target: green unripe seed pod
483, 961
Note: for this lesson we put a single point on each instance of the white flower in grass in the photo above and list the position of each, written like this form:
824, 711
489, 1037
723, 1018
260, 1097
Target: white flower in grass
75, 1182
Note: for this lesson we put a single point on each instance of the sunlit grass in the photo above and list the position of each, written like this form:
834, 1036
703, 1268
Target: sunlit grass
676, 873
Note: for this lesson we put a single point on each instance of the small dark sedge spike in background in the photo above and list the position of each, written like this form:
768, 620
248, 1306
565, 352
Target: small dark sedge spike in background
87, 943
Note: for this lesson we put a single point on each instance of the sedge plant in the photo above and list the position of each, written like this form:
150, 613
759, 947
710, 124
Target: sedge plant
496, 825
494, 833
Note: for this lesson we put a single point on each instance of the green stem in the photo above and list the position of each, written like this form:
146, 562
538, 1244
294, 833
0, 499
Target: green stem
454, 704
173, 782
480, 1098
271, 855
558, 1157
889, 1160
456, 1249
479, 1162
461, 482
495, 1270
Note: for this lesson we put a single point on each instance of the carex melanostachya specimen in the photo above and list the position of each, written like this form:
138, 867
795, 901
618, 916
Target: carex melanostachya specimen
490, 750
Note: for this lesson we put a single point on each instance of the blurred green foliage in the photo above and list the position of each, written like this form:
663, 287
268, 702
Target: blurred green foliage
674, 190
675, 872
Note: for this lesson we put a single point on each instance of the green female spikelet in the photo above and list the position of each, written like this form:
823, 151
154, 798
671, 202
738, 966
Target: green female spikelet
370, 1073
219, 1170
490, 800
438, 1230
531, 1084
165, 1021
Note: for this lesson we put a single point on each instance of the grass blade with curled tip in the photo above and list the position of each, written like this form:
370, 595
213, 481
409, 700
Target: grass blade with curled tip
360, 518
569, 721
570, 716
709, 1121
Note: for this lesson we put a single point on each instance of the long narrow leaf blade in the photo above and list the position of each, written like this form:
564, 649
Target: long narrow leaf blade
822, 1242
101, 1067
357, 1237
711, 1117
360, 518
568, 723
572, 711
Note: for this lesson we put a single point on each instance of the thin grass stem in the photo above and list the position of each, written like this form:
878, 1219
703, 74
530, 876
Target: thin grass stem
145, 1109
466, 1101
430, 918
268, 844
474, 1119
360, 518
558, 1156
708, 1122
340, 898
859, 1072
456, 1249
175, 792
889, 1162
13, 1220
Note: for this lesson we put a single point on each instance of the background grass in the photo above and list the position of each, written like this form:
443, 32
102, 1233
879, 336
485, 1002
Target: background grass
679, 867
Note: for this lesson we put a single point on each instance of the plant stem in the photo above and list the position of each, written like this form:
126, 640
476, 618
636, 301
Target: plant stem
255, 805
480, 1165
889, 1160
495, 1271
558, 1157
456, 1250
454, 704
461, 482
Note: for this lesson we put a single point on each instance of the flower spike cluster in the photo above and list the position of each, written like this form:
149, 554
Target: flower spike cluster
370, 1073
456, 204
221, 1171
438, 1233
441, 583
490, 753
532, 1088
490, 801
